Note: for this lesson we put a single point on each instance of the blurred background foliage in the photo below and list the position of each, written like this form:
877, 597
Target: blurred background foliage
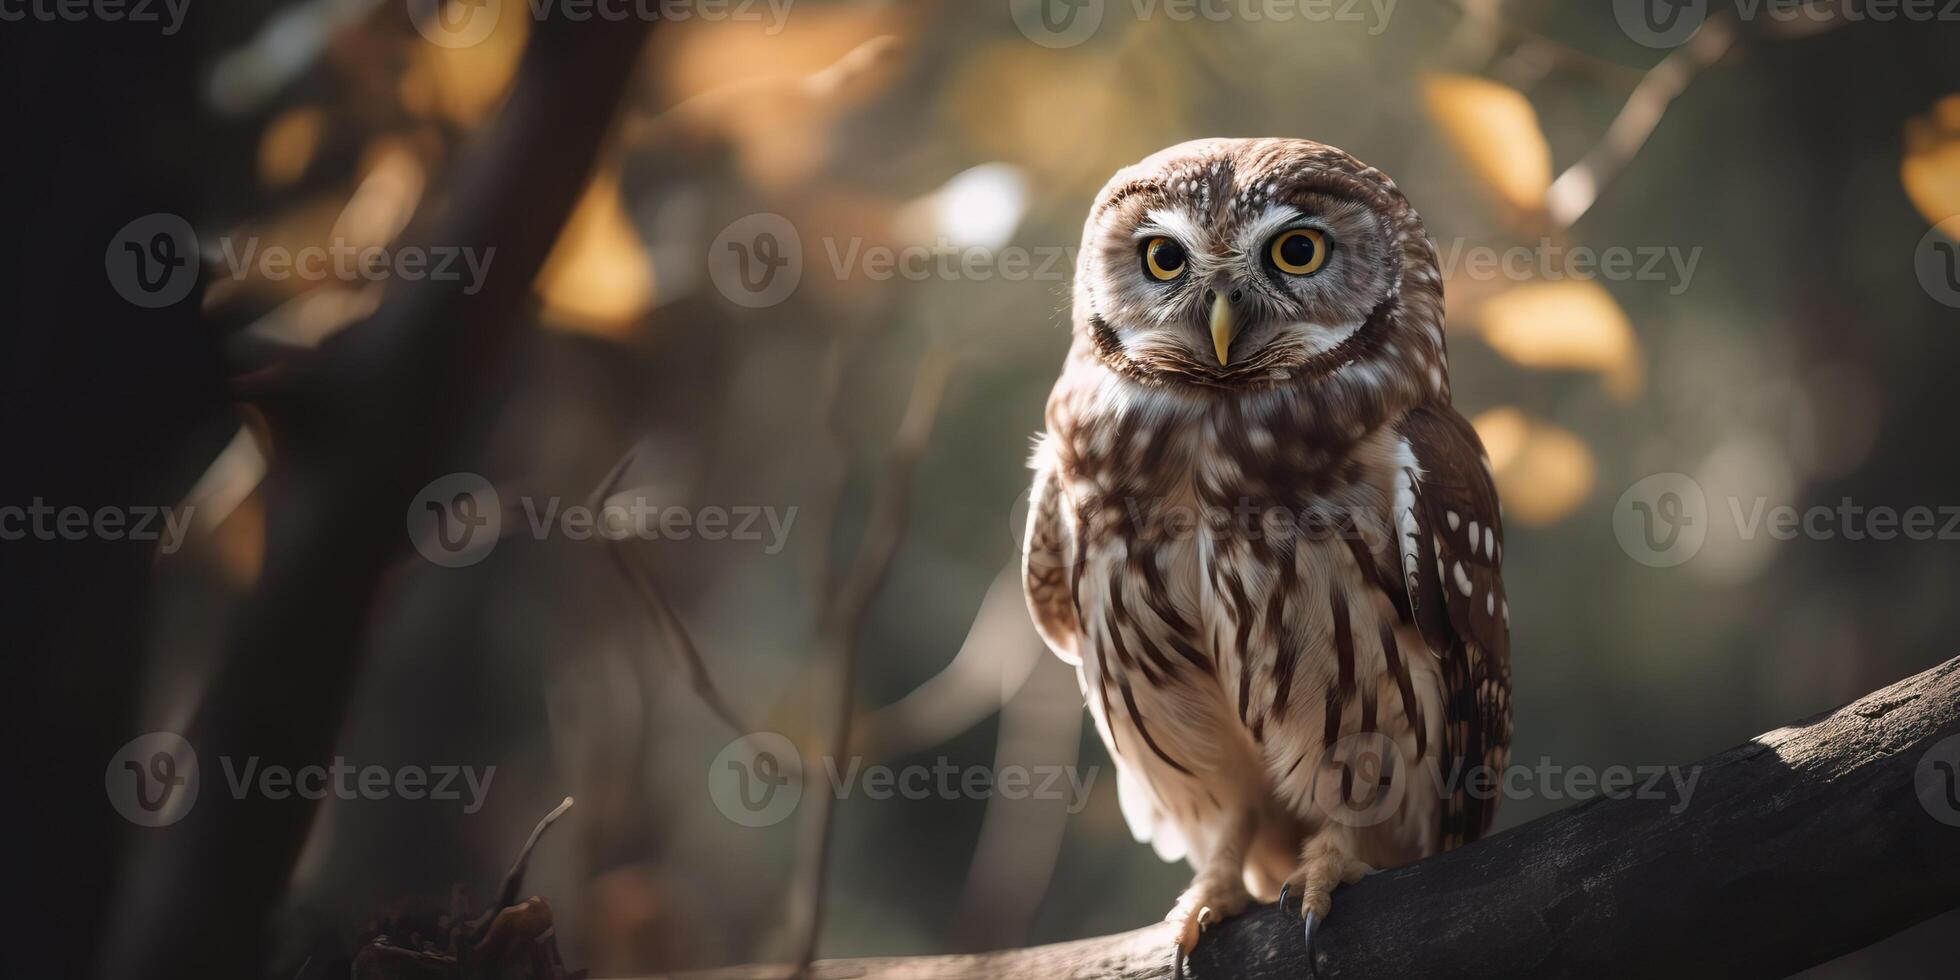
1801, 362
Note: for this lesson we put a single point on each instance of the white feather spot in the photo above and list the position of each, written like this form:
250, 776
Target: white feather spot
1453, 519
1462, 579
1472, 537
1490, 543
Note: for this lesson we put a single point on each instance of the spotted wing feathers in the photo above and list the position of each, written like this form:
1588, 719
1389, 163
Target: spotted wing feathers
1452, 539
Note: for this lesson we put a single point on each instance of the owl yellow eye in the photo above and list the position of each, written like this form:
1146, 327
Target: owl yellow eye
1163, 258
1299, 252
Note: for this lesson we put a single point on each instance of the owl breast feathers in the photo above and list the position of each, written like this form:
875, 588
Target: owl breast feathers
1260, 531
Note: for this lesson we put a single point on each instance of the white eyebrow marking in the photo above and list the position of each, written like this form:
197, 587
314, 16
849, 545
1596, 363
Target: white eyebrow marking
1177, 223
1268, 224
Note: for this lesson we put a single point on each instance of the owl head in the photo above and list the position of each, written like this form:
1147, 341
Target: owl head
1261, 263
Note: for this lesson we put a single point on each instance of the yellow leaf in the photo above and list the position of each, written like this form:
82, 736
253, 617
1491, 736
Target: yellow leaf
392, 181
1931, 168
599, 278
464, 83
288, 144
240, 543
1572, 324
1496, 130
1543, 472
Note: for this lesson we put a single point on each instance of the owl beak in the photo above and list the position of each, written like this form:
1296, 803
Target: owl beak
1223, 328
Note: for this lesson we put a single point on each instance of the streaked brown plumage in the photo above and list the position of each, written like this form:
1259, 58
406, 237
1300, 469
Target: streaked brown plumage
1261, 532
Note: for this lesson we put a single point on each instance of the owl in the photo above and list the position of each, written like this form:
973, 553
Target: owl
1261, 534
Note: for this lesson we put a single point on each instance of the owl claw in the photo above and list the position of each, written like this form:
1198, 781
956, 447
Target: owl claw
1203, 905
1311, 925
1205, 920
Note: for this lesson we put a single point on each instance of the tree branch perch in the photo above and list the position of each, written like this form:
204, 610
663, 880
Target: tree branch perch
1793, 848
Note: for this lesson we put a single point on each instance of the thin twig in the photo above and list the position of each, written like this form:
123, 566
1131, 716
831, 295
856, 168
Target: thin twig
664, 616
843, 620
514, 878
1575, 190
890, 502
1481, 16
830, 386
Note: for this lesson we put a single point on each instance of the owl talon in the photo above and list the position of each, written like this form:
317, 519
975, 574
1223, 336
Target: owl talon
1204, 921
1311, 925
1203, 905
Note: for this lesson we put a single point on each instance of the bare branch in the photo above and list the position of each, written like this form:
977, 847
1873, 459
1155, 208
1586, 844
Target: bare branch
1789, 850
1575, 190
1484, 26
664, 616
892, 501
514, 878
